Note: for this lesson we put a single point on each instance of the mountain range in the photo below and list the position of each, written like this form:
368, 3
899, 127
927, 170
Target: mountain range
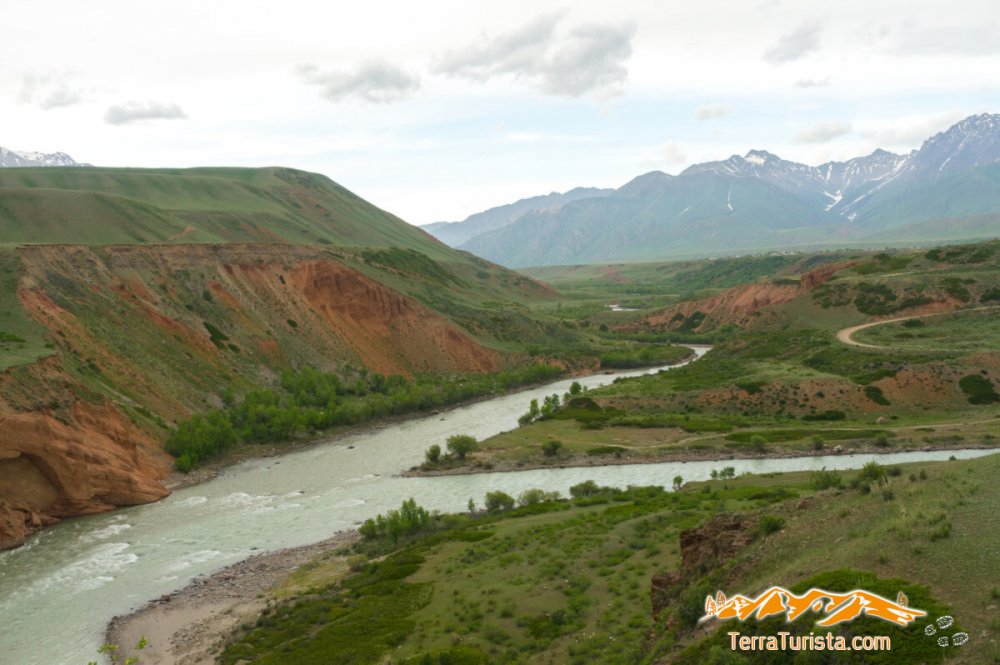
20, 158
949, 189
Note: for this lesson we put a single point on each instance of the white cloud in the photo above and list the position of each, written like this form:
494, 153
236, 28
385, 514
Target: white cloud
589, 58
795, 45
49, 91
712, 111
822, 132
375, 81
126, 114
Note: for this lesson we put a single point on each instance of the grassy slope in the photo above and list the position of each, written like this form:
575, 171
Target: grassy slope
101, 206
22, 341
570, 582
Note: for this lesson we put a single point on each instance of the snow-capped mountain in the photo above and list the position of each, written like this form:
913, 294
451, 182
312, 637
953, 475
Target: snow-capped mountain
947, 189
15, 158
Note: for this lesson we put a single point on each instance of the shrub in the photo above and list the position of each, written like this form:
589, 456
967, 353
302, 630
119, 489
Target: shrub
535, 496
824, 479
551, 447
433, 454
584, 489
874, 393
770, 524
978, 389
498, 502
394, 524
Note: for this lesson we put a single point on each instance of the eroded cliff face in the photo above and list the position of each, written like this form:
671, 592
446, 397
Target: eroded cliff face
740, 305
77, 458
162, 331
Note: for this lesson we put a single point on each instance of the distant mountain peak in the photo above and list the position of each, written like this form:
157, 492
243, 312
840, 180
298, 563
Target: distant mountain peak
760, 157
20, 158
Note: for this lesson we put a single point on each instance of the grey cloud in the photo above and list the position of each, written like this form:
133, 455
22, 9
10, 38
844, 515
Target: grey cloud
514, 53
813, 83
591, 59
49, 91
822, 132
375, 81
125, 114
711, 112
795, 45
588, 58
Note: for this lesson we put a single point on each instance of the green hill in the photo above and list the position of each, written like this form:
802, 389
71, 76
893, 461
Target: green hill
103, 206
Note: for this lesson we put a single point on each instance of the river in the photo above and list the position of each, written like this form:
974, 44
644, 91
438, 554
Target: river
59, 590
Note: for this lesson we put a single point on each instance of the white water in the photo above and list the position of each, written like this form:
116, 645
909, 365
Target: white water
60, 589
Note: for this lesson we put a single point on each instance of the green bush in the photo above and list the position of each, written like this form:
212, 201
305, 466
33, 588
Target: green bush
498, 502
461, 445
824, 479
978, 389
874, 393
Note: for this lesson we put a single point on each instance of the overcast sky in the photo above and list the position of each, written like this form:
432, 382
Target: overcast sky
435, 110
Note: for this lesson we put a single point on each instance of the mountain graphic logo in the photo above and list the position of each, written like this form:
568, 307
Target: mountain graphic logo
836, 607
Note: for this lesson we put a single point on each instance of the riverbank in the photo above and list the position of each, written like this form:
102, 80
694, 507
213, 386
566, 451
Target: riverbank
707, 455
191, 625
248, 451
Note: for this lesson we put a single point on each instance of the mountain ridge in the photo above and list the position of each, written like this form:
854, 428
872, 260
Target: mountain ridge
768, 203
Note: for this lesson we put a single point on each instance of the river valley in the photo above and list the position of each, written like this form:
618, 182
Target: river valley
59, 590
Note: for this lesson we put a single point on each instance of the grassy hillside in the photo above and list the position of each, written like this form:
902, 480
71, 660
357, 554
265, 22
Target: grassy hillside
621, 577
103, 206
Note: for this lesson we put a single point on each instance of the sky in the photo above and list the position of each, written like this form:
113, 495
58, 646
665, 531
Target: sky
436, 110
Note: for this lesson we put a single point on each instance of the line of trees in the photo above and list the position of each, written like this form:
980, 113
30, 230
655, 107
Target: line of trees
308, 400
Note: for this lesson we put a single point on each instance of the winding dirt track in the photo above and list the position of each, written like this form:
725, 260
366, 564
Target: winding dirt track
846, 335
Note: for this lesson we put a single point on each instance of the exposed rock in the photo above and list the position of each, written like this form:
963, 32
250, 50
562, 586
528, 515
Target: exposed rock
702, 548
51, 469
740, 305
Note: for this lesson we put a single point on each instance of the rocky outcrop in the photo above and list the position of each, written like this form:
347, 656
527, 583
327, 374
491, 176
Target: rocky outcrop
739, 305
94, 461
702, 548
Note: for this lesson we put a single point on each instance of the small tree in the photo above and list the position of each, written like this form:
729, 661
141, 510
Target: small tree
678, 483
575, 388
758, 443
461, 445
531, 415
818, 442
498, 502
433, 454
728, 472
551, 447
